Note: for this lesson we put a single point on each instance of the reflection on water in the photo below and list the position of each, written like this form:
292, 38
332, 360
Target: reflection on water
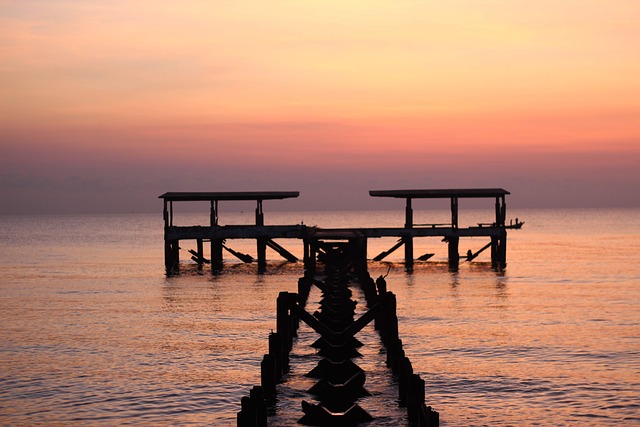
94, 334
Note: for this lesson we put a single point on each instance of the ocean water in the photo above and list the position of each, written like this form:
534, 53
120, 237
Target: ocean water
93, 333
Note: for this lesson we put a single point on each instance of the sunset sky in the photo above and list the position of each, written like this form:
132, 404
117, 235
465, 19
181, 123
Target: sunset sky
104, 105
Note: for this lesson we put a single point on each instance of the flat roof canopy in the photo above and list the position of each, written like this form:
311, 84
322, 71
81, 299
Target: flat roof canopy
228, 195
440, 193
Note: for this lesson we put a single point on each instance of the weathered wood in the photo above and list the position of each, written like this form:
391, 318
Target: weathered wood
216, 253
386, 253
313, 237
268, 377
425, 256
242, 257
454, 255
282, 251
472, 256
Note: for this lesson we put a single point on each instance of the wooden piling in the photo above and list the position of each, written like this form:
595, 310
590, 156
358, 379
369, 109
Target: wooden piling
454, 255
428, 417
415, 399
341, 381
275, 351
257, 397
408, 240
404, 378
268, 376
200, 253
283, 320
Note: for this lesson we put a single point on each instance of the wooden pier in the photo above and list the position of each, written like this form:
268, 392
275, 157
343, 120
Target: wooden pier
340, 389
317, 240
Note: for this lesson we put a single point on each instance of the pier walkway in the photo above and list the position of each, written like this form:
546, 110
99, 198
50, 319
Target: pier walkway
339, 397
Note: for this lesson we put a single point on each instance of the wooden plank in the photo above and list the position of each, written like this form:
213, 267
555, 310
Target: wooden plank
472, 256
383, 255
440, 193
193, 196
242, 257
282, 251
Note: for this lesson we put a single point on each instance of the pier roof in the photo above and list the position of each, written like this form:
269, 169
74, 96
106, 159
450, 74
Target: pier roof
228, 195
440, 193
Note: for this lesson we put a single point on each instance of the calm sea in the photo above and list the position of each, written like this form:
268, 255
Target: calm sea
93, 333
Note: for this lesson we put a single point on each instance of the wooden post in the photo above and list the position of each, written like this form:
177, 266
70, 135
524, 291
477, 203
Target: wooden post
257, 396
275, 350
247, 415
502, 251
310, 266
170, 263
359, 250
168, 256
428, 417
494, 252
200, 251
268, 377
499, 244
217, 258
214, 213
216, 244
261, 241
454, 212
454, 255
165, 215
408, 240
283, 322
404, 378
172, 256
415, 398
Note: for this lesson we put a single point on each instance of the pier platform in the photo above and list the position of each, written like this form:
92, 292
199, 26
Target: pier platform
315, 239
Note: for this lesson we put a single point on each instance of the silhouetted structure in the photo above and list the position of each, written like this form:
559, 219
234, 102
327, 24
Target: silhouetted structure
217, 234
318, 242
340, 389
450, 231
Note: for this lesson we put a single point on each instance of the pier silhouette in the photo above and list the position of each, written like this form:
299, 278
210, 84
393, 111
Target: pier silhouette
340, 386
335, 260
317, 241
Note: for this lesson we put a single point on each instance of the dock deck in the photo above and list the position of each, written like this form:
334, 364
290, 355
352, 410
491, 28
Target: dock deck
264, 235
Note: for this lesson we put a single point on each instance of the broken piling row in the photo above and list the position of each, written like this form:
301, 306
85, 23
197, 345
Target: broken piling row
410, 386
340, 381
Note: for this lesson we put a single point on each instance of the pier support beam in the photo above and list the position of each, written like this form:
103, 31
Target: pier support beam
216, 244
359, 250
408, 240
216, 254
172, 256
261, 242
499, 252
454, 255
200, 253
171, 247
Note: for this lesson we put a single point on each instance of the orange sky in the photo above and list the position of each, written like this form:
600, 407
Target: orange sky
105, 105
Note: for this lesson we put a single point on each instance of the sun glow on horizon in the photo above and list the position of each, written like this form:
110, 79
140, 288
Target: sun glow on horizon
367, 83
